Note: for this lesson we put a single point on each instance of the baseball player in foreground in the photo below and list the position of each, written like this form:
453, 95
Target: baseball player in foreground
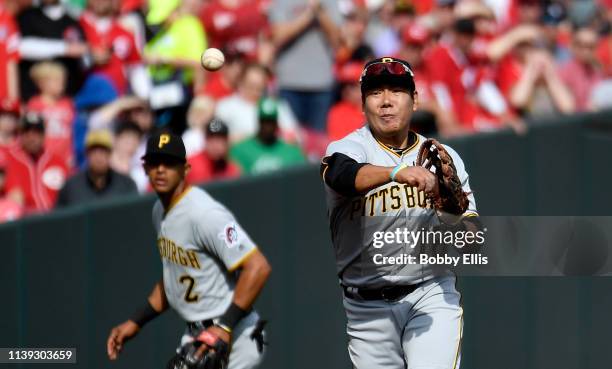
385, 177
202, 248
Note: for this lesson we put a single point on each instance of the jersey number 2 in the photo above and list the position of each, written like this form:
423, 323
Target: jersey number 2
189, 295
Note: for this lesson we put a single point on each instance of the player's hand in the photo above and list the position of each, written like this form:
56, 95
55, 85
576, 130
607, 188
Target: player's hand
419, 177
217, 332
118, 336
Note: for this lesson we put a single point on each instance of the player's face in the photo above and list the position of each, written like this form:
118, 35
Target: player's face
388, 110
165, 174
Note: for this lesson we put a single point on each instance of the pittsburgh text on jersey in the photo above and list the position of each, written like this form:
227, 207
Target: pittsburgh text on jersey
176, 254
389, 199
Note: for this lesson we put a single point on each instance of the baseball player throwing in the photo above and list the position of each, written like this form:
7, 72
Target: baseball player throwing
202, 247
381, 178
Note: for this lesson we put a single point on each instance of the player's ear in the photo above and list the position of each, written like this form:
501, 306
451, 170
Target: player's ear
187, 168
415, 101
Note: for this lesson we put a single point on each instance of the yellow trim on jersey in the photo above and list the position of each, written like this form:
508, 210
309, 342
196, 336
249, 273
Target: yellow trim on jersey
242, 260
406, 150
177, 199
460, 340
470, 214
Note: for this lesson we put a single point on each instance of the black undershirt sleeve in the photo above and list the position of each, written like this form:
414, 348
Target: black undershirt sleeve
339, 172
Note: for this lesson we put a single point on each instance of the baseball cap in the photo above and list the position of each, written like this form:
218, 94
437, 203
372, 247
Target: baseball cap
415, 34
32, 121
216, 127
267, 109
99, 138
167, 145
386, 71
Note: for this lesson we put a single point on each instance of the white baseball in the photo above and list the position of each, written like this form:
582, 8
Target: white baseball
212, 59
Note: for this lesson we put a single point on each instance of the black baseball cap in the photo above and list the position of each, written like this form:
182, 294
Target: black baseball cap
32, 121
386, 71
165, 145
216, 127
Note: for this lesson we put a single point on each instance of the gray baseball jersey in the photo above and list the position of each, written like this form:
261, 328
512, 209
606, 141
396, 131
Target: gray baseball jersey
199, 241
386, 208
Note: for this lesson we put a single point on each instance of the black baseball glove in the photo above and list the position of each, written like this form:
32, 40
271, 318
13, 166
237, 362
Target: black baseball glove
215, 357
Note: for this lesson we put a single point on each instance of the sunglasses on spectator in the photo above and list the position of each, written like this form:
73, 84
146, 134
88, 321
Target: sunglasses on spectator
394, 68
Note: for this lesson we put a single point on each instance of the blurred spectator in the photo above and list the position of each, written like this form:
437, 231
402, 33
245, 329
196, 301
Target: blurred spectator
528, 78
96, 92
240, 25
430, 118
463, 87
347, 115
306, 34
555, 34
441, 18
266, 152
50, 32
113, 48
353, 45
127, 140
131, 109
34, 175
9, 57
56, 109
201, 112
9, 208
9, 120
132, 17
402, 13
582, 72
213, 162
224, 82
239, 111
98, 180
173, 56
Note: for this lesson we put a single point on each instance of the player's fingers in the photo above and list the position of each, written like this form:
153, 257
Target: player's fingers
111, 345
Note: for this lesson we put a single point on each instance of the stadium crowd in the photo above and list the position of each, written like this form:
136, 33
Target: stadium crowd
83, 83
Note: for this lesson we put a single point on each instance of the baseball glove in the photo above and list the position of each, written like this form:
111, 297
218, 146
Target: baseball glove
216, 357
451, 197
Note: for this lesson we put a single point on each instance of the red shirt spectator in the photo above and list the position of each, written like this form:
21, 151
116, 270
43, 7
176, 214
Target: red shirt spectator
56, 109
9, 55
204, 169
115, 46
59, 118
9, 208
213, 162
34, 174
455, 82
236, 26
604, 54
582, 72
346, 115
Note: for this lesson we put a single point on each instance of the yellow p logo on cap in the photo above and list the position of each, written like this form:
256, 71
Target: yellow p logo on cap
163, 139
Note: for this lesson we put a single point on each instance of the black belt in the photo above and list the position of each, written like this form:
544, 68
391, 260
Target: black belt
389, 293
